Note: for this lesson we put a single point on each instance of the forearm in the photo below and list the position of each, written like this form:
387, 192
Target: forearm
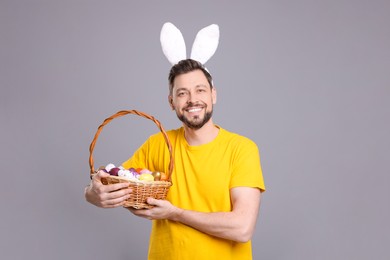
236, 225
233, 225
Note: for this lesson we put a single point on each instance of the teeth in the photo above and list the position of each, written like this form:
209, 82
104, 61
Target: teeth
194, 109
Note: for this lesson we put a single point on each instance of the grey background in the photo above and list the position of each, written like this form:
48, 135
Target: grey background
308, 81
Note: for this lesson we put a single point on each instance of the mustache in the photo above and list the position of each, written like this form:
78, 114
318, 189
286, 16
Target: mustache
195, 104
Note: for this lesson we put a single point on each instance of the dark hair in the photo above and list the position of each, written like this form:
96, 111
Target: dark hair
185, 66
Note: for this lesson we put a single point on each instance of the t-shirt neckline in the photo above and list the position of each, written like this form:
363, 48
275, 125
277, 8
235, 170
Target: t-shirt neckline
202, 146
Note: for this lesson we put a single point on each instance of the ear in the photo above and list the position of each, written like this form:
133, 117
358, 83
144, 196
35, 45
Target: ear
170, 101
205, 44
172, 43
214, 95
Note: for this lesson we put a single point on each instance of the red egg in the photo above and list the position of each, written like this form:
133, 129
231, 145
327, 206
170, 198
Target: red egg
114, 171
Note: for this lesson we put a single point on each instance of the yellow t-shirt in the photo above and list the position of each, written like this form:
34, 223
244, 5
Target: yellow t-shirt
202, 178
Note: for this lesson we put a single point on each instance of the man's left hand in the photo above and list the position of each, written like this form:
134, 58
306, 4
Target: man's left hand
162, 209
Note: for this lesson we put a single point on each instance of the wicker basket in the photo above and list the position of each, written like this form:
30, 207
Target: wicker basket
141, 189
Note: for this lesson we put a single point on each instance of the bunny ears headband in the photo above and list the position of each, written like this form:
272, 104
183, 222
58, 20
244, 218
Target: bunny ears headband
203, 48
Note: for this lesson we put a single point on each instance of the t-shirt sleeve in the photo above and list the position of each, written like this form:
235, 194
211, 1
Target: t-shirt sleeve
246, 167
152, 155
138, 160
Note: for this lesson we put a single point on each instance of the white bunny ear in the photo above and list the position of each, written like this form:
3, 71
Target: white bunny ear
205, 44
172, 43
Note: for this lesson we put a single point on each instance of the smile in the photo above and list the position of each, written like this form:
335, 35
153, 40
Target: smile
195, 109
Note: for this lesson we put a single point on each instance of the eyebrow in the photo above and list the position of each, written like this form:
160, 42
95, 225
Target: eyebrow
197, 86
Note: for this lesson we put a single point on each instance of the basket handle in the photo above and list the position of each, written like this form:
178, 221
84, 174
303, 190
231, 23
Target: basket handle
134, 112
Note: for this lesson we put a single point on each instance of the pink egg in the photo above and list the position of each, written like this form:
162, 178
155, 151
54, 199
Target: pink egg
145, 171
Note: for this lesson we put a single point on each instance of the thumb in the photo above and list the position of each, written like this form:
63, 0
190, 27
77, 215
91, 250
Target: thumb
99, 175
154, 202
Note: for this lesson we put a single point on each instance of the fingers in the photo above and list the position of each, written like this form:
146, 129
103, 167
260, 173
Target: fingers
115, 202
97, 182
143, 213
118, 194
114, 187
162, 209
107, 196
113, 199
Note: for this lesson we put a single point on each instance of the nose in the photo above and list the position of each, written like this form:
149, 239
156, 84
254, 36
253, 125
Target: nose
192, 97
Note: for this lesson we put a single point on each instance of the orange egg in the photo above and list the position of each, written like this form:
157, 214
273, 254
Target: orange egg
164, 176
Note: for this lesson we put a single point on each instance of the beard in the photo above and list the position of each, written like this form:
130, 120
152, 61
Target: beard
196, 123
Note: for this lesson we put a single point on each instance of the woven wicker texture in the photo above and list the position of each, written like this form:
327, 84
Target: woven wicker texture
141, 189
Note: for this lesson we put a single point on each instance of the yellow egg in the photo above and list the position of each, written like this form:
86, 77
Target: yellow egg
156, 175
146, 177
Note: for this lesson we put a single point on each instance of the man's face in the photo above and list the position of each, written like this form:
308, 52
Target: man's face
192, 99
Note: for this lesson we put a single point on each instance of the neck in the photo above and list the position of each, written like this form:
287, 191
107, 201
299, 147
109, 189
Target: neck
203, 135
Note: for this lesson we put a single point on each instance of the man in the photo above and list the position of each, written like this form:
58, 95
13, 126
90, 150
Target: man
212, 208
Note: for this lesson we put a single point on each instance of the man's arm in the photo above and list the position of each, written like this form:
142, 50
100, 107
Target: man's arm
237, 225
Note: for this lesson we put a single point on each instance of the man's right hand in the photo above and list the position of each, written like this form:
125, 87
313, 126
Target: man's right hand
106, 196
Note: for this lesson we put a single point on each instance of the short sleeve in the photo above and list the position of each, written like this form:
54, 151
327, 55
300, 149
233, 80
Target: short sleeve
246, 168
138, 160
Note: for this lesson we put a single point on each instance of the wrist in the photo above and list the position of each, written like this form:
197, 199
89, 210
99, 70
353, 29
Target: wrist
177, 214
